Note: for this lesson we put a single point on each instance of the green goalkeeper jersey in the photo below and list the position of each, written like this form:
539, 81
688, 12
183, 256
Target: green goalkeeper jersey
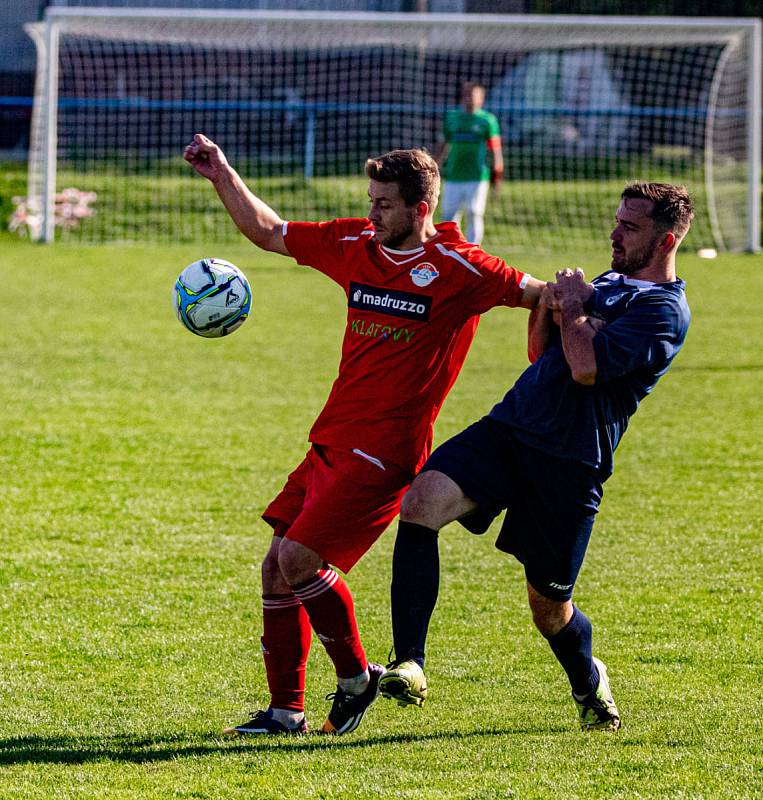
467, 136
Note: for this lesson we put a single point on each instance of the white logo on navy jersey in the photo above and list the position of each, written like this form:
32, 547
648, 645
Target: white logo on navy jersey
424, 274
610, 301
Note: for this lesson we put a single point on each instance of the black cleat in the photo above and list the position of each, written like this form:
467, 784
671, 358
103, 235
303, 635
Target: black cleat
348, 709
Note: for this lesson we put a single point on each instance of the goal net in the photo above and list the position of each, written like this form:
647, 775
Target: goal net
299, 100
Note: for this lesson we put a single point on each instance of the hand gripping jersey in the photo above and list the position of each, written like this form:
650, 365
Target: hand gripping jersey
646, 324
411, 317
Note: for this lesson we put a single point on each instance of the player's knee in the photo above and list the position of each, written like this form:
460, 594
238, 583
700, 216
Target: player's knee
427, 502
297, 563
549, 616
272, 580
416, 503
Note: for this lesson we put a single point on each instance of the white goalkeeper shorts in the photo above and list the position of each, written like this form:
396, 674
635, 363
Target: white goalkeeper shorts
470, 198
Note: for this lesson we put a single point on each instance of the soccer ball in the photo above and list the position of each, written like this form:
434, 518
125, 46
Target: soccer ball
212, 297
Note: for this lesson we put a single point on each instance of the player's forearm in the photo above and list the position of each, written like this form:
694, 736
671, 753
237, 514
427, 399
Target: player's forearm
577, 343
539, 327
495, 148
253, 217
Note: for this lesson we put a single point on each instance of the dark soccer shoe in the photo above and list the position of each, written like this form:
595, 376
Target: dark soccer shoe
347, 710
597, 711
263, 724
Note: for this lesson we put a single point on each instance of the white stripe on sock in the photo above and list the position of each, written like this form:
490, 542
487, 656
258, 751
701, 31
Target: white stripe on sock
320, 584
285, 602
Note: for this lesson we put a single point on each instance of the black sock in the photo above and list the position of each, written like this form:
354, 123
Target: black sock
415, 583
572, 648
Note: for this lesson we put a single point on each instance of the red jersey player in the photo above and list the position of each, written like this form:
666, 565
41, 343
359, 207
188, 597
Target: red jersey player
415, 291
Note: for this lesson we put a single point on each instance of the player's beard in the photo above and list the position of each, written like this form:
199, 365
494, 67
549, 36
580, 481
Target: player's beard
394, 237
634, 262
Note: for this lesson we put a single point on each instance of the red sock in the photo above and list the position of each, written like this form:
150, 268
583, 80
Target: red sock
329, 605
285, 646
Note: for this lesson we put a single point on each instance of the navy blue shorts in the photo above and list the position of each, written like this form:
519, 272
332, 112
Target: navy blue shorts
550, 502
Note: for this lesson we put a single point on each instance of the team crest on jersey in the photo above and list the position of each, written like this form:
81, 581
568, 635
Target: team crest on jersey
424, 274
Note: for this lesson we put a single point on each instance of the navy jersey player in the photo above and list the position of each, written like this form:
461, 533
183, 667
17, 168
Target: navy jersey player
545, 450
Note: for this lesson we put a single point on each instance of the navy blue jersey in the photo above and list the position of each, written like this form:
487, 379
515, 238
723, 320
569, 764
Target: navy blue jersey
646, 324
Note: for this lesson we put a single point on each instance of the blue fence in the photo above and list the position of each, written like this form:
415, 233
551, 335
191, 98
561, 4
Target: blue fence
148, 104
312, 120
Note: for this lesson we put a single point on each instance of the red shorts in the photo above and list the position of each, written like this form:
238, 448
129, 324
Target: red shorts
338, 503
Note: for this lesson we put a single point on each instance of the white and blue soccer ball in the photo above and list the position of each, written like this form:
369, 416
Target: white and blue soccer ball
212, 297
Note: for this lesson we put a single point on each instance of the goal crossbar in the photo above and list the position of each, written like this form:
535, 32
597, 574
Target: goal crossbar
723, 109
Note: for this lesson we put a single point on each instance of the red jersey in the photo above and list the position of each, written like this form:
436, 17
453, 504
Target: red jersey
411, 317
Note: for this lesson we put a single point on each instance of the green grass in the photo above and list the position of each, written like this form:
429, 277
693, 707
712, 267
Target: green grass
135, 462
530, 215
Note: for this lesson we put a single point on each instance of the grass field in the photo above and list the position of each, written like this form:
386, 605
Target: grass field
171, 204
135, 462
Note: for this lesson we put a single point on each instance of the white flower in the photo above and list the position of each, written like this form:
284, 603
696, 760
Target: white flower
69, 207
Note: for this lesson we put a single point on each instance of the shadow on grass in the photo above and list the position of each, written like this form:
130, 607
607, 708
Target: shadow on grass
148, 749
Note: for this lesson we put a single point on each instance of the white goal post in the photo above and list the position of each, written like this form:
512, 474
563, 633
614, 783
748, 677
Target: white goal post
299, 100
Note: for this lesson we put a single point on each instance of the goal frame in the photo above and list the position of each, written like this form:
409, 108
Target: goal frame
46, 37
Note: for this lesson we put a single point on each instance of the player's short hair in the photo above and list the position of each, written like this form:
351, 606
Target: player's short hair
672, 209
468, 86
414, 171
